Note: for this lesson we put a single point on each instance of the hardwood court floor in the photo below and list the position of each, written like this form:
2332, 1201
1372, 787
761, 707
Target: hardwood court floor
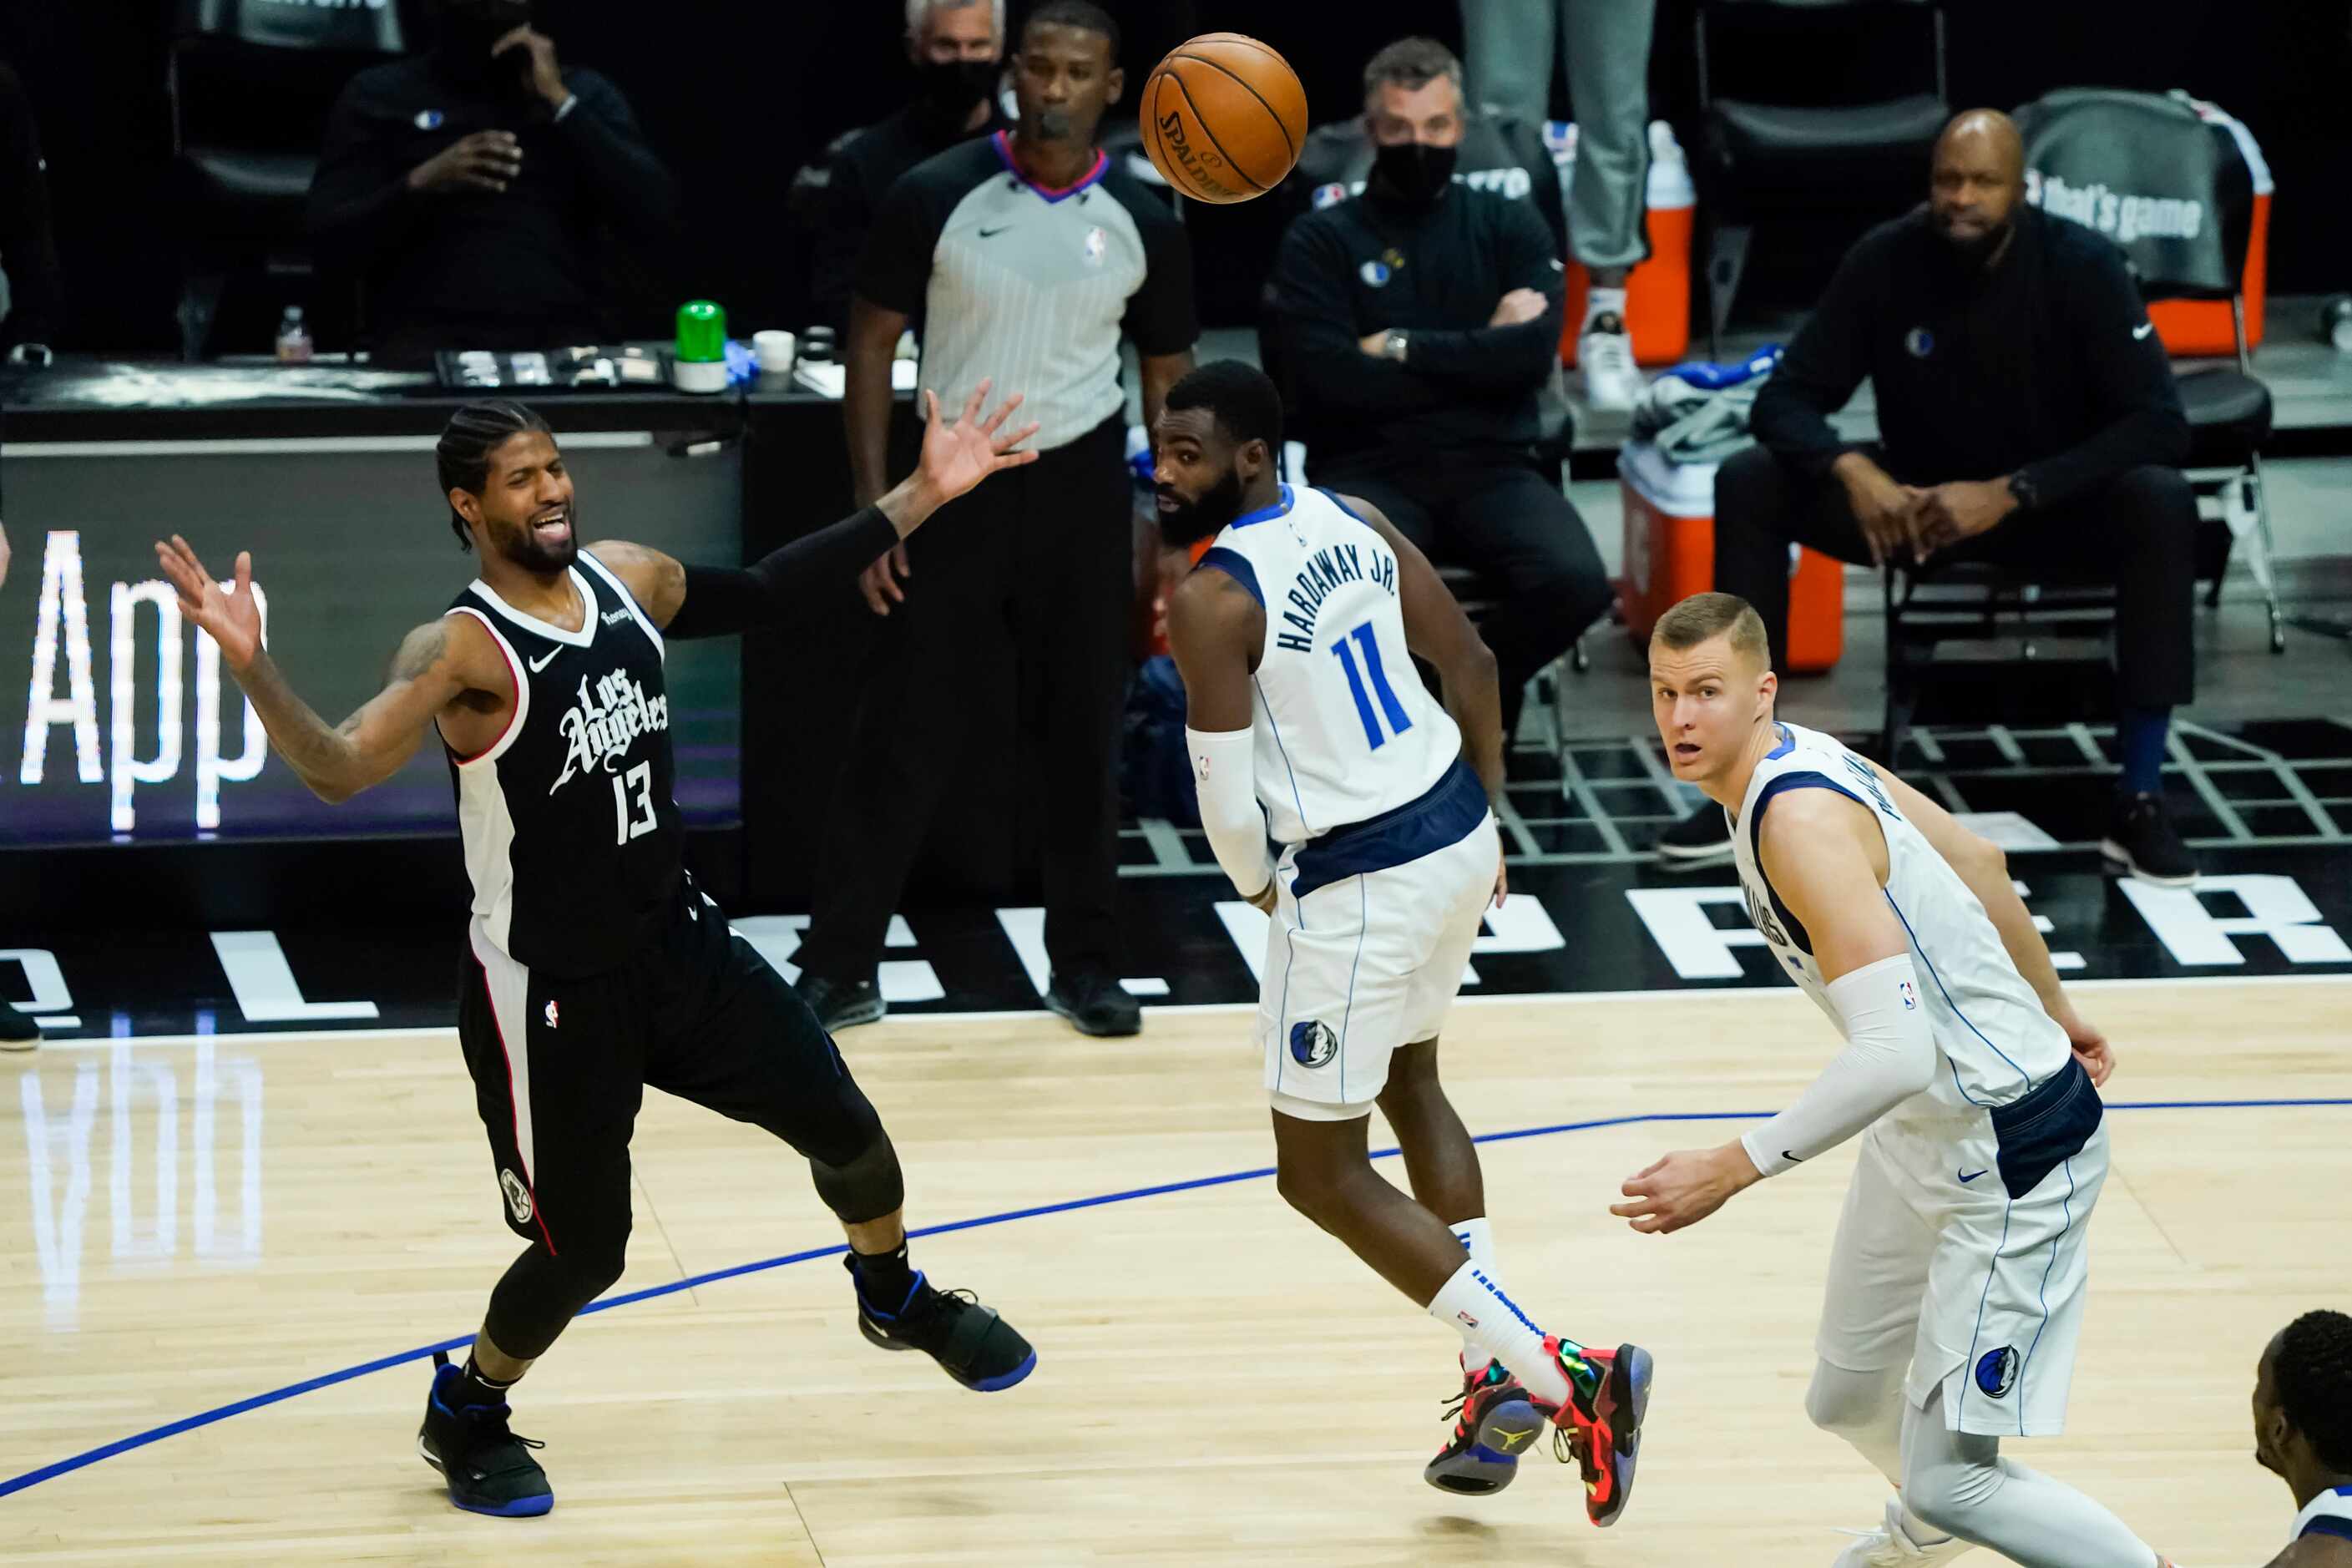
1218, 1383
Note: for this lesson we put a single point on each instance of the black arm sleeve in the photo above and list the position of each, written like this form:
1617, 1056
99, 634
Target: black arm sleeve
895, 272
360, 200
721, 601
27, 245
2131, 380
634, 186
1502, 358
1160, 315
1824, 363
1334, 375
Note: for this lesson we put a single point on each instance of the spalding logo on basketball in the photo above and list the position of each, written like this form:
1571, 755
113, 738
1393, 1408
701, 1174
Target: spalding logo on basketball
1313, 1044
1224, 118
1997, 1371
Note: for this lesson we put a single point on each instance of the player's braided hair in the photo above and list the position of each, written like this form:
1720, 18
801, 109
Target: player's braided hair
2314, 1374
473, 433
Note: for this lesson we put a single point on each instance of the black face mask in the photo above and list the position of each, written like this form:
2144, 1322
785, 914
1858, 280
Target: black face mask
467, 30
1197, 520
1413, 173
948, 91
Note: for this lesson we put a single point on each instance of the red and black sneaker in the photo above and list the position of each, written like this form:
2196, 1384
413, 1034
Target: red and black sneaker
1494, 1423
1600, 1428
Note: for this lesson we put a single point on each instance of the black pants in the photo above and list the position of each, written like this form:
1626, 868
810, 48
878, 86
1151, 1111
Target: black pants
1029, 578
2138, 532
1498, 513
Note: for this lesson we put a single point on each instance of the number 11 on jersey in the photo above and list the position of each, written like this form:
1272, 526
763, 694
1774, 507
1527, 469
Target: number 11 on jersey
1399, 721
639, 780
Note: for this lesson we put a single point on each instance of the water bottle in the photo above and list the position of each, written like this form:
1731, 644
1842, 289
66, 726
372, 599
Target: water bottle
293, 338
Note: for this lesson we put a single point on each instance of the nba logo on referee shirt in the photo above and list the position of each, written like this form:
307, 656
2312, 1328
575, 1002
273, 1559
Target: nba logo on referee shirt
517, 1196
1326, 194
1313, 1044
1096, 247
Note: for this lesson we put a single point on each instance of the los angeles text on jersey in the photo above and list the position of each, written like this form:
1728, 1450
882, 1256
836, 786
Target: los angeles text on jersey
603, 724
1324, 571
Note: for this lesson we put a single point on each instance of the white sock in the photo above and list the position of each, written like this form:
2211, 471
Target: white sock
1472, 1304
1602, 302
1477, 1239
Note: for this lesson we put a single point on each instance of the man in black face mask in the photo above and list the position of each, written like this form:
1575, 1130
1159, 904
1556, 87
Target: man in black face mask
468, 186
2027, 416
1422, 321
957, 50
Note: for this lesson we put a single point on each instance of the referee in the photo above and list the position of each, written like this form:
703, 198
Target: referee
1029, 257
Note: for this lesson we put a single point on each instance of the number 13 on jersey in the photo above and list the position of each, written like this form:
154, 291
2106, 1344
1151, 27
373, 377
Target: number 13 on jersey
638, 782
1399, 722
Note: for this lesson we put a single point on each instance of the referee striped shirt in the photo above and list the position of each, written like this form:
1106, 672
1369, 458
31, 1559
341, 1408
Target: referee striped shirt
1032, 286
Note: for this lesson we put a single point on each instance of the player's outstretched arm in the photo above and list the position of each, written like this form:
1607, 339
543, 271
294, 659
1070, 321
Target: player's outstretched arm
1824, 856
712, 601
1214, 627
1980, 863
1436, 630
430, 671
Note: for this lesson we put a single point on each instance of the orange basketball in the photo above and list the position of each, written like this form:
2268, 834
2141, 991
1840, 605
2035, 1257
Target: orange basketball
1224, 118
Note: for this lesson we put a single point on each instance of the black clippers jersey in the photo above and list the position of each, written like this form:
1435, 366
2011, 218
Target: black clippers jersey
572, 838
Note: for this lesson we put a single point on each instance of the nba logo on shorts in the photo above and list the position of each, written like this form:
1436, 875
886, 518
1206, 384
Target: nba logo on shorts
1313, 1044
517, 1196
1997, 1371
1910, 997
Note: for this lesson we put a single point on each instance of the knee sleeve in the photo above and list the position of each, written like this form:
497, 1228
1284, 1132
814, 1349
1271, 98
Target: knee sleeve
542, 1291
866, 1184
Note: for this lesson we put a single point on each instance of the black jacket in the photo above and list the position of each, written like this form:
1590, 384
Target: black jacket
2045, 363
518, 270
860, 169
28, 248
1365, 265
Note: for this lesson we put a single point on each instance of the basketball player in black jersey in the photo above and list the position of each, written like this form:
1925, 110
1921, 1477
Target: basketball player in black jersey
593, 965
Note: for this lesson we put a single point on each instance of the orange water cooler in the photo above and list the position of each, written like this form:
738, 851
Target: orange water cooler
1658, 290
1670, 555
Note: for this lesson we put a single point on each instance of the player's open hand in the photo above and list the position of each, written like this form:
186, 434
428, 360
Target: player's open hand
1683, 1188
232, 616
959, 455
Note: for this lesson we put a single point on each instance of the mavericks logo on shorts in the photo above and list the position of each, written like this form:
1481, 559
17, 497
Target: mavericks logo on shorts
1313, 1044
517, 1196
1997, 1371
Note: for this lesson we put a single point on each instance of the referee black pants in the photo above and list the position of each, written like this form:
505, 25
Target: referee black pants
1500, 513
2138, 531
1029, 578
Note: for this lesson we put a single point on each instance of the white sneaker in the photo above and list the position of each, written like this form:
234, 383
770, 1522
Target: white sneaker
1891, 1546
1604, 358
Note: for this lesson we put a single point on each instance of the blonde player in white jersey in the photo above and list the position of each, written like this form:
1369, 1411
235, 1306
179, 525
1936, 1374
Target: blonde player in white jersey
1957, 1280
1295, 636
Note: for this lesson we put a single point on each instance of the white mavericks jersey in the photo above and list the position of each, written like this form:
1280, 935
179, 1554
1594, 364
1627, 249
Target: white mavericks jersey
1996, 1042
1345, 729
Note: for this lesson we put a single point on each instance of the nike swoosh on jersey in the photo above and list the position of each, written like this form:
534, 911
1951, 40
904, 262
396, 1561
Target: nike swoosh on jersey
993, 233
2143, 329
1966, 1177
543, 660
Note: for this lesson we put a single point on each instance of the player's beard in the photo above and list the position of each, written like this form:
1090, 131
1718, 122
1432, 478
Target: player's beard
523, 546
1192, 522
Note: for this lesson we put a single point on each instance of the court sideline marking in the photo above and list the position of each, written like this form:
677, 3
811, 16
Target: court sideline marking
327, 1380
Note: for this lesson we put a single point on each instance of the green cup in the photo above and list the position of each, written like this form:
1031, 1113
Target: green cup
701, 333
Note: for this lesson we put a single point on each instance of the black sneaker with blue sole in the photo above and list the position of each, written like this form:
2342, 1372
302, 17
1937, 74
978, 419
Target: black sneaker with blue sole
971, 1343
489, 1469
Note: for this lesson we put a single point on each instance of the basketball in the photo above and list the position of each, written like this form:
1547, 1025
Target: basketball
1224, 118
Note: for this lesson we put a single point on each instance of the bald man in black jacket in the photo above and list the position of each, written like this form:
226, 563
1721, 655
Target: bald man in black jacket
2027, 416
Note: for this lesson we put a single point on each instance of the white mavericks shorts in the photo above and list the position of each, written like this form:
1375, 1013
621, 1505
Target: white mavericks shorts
1362, 965
1979, 1289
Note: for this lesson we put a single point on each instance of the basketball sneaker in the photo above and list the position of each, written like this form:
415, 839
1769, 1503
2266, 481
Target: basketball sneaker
970, 1342
488, 1468
1600, 1427
1604, 358
1891, 1545
841, 1004
1494, 1423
